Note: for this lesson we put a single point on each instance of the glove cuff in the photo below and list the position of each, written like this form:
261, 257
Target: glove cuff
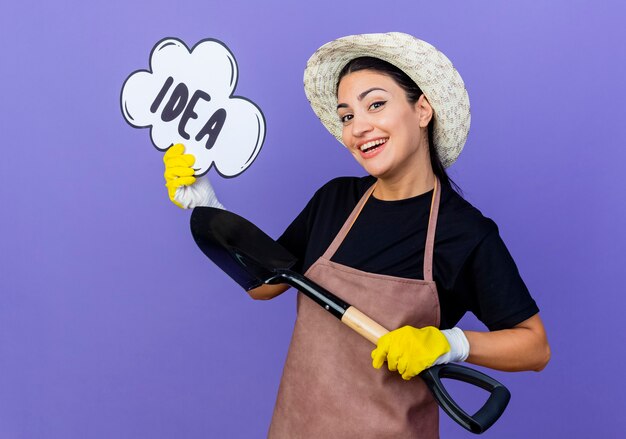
200, 193
459, 347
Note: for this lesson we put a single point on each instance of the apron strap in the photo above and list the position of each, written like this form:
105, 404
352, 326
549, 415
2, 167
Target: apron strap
429, 249
332, 248
430, 235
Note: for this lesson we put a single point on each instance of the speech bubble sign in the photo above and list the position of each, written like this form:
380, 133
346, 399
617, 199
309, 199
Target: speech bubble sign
187, 97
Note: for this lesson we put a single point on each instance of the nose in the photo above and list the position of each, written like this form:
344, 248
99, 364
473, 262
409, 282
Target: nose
360, 126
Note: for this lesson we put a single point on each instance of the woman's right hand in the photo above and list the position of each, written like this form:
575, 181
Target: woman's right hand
183, 188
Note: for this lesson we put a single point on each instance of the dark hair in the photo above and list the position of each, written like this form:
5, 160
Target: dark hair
413, 93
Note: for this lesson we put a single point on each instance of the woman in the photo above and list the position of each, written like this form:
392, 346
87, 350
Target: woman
400, 244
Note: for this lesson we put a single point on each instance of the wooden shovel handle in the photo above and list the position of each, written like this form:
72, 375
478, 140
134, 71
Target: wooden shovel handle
362, 324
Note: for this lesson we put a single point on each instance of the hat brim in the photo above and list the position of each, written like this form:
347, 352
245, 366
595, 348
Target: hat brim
430, 69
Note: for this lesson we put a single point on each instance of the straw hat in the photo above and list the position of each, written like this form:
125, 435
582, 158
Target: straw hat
430, 69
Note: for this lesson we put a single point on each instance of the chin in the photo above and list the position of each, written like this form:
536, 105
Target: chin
377, 171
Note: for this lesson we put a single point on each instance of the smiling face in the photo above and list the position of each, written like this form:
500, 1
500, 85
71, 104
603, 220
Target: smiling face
385, 133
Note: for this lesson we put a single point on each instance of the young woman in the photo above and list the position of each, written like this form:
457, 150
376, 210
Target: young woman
400, 244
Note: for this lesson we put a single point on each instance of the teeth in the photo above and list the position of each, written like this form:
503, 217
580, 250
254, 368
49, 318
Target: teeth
372, 144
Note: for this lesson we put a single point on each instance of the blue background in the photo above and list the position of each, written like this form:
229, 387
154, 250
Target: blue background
113, 324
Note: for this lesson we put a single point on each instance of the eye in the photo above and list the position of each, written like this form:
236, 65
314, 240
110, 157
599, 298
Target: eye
346, 118
376, 105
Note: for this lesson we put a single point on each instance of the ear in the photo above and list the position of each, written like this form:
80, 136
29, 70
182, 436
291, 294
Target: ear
425, 111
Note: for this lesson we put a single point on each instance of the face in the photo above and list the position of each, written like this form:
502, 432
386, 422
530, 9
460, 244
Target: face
385, 133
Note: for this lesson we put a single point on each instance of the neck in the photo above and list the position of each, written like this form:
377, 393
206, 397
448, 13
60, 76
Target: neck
406, 186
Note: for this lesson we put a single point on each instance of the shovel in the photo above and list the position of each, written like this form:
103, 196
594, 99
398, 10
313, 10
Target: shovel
251, 258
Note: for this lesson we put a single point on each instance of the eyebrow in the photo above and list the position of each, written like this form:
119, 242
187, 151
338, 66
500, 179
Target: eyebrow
361, 96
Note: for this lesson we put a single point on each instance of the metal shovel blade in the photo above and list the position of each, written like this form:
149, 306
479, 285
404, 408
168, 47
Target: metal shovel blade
242, 250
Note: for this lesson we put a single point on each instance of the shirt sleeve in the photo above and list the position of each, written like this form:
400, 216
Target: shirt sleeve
500, 299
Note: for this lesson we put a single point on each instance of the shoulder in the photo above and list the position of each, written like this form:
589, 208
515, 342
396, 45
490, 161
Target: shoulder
348, 184
336, 197
343, 190
459, 219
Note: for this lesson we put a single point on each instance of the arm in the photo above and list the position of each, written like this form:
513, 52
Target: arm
498, 291
186, 191
493, 289
266, 292
523, 347
410, 350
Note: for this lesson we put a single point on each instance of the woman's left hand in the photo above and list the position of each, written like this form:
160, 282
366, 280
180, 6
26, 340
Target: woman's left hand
410, 350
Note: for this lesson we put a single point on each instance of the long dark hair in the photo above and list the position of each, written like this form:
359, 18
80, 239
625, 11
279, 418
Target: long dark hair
413, 93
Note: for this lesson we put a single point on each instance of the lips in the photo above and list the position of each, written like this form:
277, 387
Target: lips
372, 144
371, 148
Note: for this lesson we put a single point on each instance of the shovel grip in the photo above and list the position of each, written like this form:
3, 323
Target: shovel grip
487, 415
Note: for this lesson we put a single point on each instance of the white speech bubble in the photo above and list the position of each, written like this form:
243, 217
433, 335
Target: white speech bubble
187, 97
